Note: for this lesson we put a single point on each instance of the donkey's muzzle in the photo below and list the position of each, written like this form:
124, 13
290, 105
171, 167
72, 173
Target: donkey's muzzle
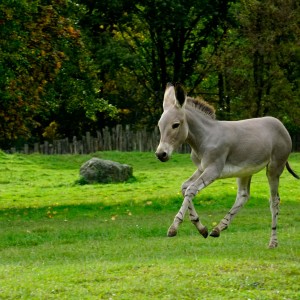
162, 156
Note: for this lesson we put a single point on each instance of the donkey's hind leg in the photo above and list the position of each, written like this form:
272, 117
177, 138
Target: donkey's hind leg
243, 195
273, 174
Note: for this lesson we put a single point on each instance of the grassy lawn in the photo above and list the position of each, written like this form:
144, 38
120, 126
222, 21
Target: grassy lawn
62, 240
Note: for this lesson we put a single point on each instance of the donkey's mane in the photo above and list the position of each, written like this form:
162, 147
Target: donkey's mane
202, 106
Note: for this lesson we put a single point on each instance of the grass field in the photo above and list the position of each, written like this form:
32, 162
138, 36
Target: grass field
62, 240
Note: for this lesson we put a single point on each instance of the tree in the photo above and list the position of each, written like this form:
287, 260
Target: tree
156, 42
259, 61
44, 67
71, 63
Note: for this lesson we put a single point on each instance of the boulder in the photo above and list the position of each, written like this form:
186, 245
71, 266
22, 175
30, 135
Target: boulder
104, 171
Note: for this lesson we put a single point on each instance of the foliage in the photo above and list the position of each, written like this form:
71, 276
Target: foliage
154, 42
50, 132
259, 61
87, 64
62, 240
44, 63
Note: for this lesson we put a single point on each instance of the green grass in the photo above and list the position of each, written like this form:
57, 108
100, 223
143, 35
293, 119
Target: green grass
61, 240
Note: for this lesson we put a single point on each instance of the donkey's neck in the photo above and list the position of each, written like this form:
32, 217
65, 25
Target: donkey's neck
201, 127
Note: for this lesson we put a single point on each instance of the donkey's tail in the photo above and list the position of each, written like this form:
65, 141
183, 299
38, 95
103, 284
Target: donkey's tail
291, 170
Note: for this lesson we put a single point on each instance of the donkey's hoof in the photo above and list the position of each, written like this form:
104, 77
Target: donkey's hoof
215, 232
204, 232
172, 231
273, 244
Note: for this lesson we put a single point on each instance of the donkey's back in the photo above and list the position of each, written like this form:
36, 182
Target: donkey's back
250, 145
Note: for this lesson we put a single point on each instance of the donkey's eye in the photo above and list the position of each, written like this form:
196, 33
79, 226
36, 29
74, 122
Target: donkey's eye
175, 125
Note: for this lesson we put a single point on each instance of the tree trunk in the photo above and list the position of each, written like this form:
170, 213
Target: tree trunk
258, 76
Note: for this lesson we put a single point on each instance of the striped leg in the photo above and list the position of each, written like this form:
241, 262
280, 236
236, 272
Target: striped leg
273, 173
274, 207
187, 205
172, 231
192, 211
188, 182
243, 195
196, 221
201, 182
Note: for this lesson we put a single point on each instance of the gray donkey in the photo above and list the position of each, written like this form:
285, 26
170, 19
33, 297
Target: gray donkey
222, 149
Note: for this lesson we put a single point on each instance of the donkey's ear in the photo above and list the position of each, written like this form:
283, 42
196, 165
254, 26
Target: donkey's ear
180, 93
169, 97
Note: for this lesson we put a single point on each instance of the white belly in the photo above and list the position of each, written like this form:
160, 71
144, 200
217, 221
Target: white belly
241, 171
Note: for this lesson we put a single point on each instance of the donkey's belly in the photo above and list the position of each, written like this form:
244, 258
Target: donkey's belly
230, 170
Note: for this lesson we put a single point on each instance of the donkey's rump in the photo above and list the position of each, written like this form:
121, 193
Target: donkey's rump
257, 141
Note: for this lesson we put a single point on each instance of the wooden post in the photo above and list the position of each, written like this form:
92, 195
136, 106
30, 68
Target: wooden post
75, 150
26, 149
100, 141
58, 146
36, 148
128, 139
46, 147
88, 142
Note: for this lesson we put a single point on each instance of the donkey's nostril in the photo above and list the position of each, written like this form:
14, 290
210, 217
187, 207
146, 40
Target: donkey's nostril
162, 156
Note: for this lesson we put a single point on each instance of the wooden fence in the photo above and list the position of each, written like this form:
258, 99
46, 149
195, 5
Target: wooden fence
109, 139
296, 142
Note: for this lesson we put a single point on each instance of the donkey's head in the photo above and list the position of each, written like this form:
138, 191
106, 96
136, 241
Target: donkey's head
172, 124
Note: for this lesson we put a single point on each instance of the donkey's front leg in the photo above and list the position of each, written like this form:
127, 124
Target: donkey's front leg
207, 177
187, 205
172, 231
188, 182
196, 221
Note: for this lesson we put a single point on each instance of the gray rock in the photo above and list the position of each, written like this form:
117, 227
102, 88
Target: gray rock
104, 171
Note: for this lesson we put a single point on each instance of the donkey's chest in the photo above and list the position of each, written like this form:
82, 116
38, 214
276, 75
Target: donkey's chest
242, 170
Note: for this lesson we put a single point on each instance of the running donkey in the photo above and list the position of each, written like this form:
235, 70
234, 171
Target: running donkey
222, 149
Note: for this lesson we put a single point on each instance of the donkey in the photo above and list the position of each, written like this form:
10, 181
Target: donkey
222, 149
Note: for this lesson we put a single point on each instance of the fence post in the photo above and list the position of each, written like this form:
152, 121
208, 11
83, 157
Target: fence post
36, 148
88, 142
127, 139
46, 147
100, 140
59, 147
296, 142
116, 138
75, 150
26, 149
